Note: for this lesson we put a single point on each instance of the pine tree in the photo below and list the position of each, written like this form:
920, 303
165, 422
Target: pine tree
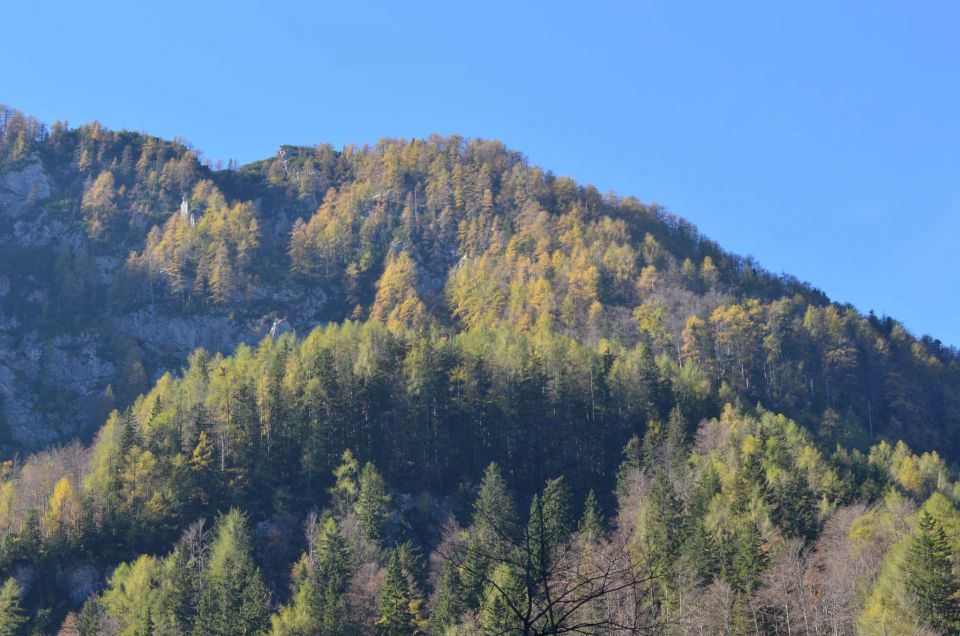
662, 533
234, 600
930, 579
88, 619
557, 510
396, 616
493, 511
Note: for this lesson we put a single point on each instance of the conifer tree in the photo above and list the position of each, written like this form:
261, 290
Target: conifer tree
346, 488
495, 528
99, 206
493, 511
448, 601
930, 578
748, 559
318, 604
396, 616
373, 504
12, 615
504, 601
180, 585
550, 525
591, 523
234, 600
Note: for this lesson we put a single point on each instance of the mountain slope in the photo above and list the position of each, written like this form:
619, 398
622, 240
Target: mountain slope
123, 253
475, 339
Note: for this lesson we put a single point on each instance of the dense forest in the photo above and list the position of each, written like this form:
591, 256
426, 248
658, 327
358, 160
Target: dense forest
423, 387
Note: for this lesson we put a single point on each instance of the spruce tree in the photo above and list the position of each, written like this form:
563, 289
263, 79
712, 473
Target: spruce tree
234, 599
180, 584
591, 523
396, 615
748, 559
373, 504
449, 601
495, 524
503, 604
318, 603
88, 618
930, 579
557, 510
494, 514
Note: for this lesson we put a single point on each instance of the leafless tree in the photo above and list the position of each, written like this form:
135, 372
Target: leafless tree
572, 585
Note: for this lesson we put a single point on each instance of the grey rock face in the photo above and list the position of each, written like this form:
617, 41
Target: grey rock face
42, 232
33, 371
177, 336
54, 376
18, 187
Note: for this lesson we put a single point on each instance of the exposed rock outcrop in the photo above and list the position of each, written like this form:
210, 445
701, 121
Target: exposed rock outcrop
20, 188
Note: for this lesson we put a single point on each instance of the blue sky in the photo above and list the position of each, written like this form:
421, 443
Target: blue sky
823, 138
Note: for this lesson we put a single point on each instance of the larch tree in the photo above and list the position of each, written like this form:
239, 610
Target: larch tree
12, 616
99, 206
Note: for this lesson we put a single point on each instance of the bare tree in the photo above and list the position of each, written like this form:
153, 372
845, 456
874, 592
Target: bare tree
781, 601
571, 584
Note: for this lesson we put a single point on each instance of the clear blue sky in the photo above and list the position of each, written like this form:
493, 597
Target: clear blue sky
823, 138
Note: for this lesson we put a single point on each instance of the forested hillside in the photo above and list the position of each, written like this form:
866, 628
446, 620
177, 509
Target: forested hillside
426, 387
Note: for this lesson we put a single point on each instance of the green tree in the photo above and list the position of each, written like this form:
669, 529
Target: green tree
494, 513
12, 616
180, 583
930, 578
495, 532
346, 488
503, 608
234, 599
373, 504
591, 523
88, 618
133, 595
397, 616
749, 558
321, 577
551, 523
449, 601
